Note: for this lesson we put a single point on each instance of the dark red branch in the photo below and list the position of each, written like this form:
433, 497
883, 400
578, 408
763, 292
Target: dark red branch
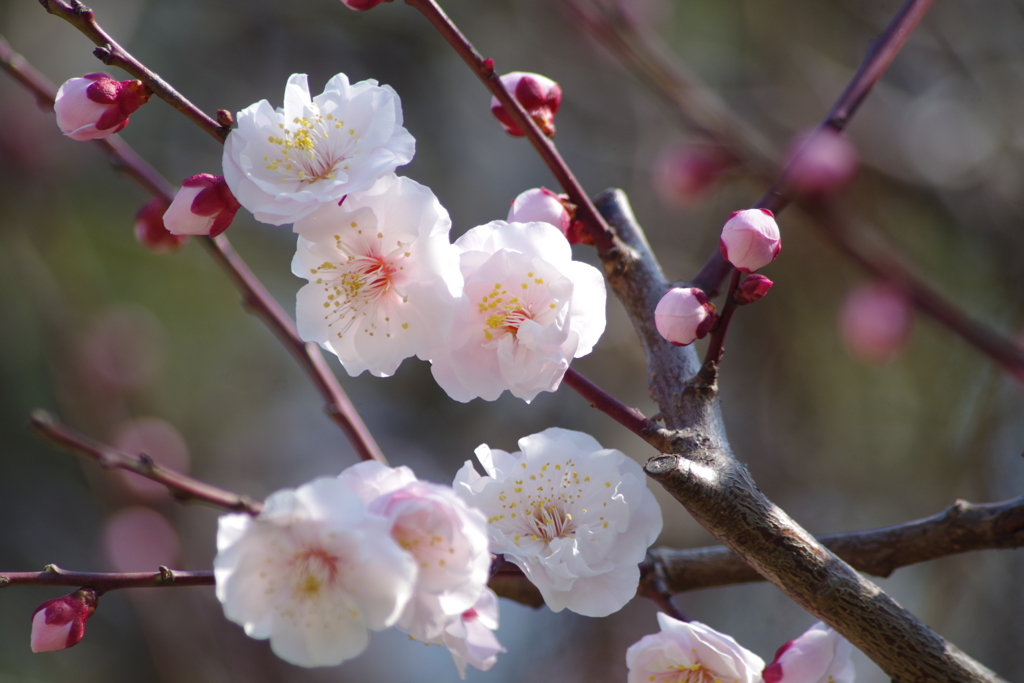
104, 582
112, 54
881, 54
179, 485
604, 238
630, 418
338, 406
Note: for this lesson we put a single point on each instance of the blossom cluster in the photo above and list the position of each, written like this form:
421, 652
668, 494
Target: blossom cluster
503, 308
324, 564
691, 651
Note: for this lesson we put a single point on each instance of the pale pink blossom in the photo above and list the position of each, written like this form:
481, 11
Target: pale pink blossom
314, 573
470, 637
539, 96
283, 164
527, 309
540, 205
382, 274
823, 163
203, 206
690, 652
752, 288
150, 230
684, 315
58, 624
820, 655
576, 518
750, 239
447, 539
96, 106
875, 322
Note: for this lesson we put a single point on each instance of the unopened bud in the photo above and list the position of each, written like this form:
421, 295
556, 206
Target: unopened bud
684, 315
875, 323
96, 106
203, 206
59, 624
824, 162
539, 96
683, 173
752, 288
750, 239
542, 205
362, 5
150, 230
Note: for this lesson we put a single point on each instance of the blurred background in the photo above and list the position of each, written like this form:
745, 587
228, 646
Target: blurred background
153, 352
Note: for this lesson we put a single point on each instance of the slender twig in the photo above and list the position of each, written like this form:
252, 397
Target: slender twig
716, 345
884, 262
630, 418
878, 59
179, 485
104, 582
338, 406
112, 54
603, 237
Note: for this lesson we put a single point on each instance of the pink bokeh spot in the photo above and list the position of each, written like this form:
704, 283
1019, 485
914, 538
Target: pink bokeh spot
160, 441
140, 539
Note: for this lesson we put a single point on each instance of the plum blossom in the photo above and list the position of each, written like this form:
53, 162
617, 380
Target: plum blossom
382, 276
539, 96
526, 310
203, 206
823, 162
58, 624
314, 573
96, 106
540, 205
576, 518
684, 315
750, 239
447, 539
283, 164
820, 655
690, 652
470, 637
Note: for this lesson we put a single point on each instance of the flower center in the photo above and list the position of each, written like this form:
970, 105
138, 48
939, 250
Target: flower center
313, 150
313, 569
503, 314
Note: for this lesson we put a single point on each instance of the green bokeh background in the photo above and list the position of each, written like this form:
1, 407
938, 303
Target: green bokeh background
840, 445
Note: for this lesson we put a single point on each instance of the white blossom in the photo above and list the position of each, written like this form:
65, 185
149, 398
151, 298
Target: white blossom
690, 652
447, 539
314, 572
576, 518
820, 655
527, 309
470, 637
282, 164
382, 276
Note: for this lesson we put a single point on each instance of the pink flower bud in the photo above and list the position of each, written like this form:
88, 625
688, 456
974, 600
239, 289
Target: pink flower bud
203, 206
150, 230
96, 106
824, 162
540, 97
362, 5
59, 624
752, 288
750, 239
683, 173
544, 206
684, 315
875, 323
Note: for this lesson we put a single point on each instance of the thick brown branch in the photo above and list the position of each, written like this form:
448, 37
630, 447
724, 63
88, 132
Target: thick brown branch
104, 582
256, 297
960, 528
179, 485
112, 54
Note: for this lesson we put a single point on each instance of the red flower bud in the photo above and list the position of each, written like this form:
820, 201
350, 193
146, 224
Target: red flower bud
752, 288
96, 106
539, 96
203, 206
150, 230
59, 624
